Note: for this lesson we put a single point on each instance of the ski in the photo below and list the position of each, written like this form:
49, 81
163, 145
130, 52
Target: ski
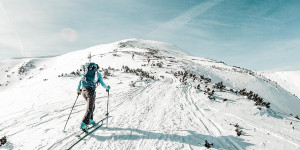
94, 128
91, 127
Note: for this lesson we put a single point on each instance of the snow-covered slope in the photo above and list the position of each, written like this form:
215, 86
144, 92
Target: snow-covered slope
151, 106
289, 80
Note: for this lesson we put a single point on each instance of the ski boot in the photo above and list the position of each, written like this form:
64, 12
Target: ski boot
83, 127
91, 122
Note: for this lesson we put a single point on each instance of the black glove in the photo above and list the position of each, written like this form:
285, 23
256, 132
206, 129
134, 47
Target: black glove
79, 92
107, 90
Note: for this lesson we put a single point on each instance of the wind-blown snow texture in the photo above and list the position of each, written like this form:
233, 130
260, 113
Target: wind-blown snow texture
290, 80
145, 113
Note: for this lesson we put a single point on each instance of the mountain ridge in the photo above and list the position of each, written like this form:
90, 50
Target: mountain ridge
175, 101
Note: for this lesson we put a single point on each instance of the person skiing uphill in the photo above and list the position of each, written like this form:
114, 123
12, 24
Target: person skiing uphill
148, 59
88, 83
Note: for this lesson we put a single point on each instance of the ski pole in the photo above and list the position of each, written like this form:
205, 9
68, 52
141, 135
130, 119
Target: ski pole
71, 111
107, 108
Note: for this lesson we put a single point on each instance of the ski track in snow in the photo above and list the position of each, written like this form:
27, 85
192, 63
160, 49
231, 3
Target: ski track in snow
155, 114
262, 130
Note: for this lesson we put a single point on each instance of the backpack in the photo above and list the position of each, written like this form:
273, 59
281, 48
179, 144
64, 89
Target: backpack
90, 71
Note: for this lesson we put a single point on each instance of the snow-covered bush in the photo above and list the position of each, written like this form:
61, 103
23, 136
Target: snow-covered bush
210, 93
25, 67
73, 73
206, 80
159, 64
208, 145
219, 86
138, 72
3, 140
132, 84
257, 99
106, 73
238, 132
116, 55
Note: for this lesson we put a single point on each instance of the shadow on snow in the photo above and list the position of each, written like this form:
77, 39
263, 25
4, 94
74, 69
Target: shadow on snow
193, 138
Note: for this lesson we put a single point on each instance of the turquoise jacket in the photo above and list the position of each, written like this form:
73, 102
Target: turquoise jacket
84, 84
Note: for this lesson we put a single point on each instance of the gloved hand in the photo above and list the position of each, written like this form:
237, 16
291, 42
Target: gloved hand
79, 92
108, 88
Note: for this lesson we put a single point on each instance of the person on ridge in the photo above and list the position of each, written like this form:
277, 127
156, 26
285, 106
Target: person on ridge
88, 84
148, 59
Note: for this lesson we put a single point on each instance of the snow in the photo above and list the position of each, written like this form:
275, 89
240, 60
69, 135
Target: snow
289, 80
159, 113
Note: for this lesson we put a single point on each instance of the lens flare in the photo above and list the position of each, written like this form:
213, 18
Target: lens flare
69, 34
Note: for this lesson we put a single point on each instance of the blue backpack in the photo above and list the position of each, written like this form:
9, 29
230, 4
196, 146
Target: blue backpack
90, 71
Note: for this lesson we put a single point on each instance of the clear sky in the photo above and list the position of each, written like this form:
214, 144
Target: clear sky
254, 34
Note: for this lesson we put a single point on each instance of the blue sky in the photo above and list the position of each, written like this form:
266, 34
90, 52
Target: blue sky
254, 34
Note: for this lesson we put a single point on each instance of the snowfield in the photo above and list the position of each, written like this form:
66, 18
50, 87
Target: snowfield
290, 80
166, 104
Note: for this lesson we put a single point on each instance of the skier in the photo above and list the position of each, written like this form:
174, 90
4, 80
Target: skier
88, 83
132, 55
148, 59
